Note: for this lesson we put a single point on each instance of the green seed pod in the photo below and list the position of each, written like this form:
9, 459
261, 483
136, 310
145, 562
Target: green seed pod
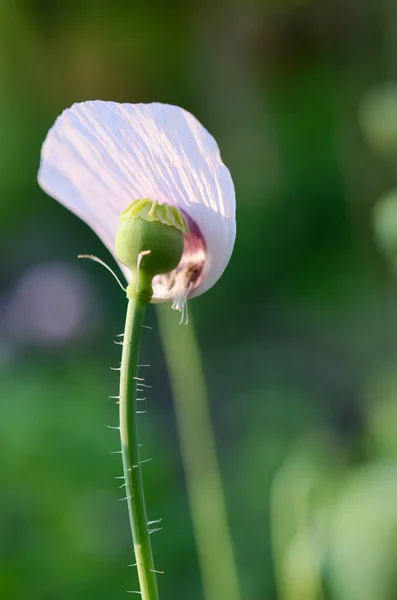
149, 241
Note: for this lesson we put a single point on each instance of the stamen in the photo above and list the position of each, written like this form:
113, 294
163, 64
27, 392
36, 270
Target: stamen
187, 314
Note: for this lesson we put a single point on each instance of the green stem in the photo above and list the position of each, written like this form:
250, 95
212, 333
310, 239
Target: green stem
198, 450
130, 448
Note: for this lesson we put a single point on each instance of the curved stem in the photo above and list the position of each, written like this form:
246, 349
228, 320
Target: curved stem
130, 448
207, 502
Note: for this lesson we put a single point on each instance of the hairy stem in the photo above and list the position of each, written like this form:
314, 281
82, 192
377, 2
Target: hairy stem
130, 448
198, 450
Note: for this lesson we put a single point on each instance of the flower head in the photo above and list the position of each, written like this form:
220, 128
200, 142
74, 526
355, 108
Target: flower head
101, 156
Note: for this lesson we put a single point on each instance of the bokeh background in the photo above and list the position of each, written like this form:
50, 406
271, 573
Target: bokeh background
298, 339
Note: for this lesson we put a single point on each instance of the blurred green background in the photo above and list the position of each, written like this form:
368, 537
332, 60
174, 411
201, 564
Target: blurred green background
299, 338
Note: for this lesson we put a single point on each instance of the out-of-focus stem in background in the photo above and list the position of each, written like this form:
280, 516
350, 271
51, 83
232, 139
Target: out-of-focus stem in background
207, 502
296, 542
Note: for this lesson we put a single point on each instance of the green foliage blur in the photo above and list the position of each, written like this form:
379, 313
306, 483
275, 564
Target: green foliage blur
299, 338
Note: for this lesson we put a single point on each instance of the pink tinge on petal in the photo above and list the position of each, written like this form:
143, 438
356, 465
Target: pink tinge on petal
182, 281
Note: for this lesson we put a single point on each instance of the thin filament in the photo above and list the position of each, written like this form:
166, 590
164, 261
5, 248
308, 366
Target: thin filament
98, 260
138, 265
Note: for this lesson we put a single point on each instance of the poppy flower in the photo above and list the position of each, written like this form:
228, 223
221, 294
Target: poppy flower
100, 156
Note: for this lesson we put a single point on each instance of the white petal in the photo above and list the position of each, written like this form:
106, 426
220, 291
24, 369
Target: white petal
100, 156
